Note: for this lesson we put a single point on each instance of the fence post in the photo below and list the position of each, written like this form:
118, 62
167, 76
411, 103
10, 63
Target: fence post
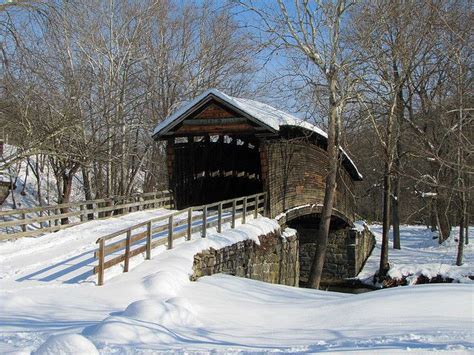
127, 251
90, 216
100, 270
56, 212
255, 207
234, 208
265, 204
148, 241
154, 200
204, 222
190, 221
244, 211
81, 207
219, 218
23, 226
170, 232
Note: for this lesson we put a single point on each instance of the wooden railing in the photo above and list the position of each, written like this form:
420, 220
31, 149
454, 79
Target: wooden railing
143, 237
32, 222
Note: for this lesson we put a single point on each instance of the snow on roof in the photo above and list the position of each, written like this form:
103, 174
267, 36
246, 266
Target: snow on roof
263, 113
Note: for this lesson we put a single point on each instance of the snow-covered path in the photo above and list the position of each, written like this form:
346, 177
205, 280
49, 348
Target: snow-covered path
66, 256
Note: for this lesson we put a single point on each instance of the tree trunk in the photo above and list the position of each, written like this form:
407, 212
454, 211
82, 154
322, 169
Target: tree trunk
66, 195
329, 193
87, 191
384, 266
460, 242
467, 209
433, 216
67, 179
444, 225
39, 192
395, 212
400, 108
466, 222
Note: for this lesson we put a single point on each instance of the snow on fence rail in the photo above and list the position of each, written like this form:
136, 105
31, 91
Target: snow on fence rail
30, 222
143, 237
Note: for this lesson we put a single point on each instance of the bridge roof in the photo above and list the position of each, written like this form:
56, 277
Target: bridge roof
265, 115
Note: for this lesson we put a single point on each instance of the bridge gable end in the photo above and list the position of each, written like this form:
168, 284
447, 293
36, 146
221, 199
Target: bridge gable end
214, 116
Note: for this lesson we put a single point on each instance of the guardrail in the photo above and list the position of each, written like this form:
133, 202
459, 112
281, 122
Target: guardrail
143, 237
32, 222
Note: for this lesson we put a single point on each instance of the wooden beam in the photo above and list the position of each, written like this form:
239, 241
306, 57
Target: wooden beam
217, 129
214, 121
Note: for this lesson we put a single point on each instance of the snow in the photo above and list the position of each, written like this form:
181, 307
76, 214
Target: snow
155, 307
288, 232
360, 225
67, 344
428, 194
420, 254
66, 256
263, 113
296, 208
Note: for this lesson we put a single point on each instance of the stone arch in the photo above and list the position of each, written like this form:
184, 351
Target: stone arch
338, 219
341, 243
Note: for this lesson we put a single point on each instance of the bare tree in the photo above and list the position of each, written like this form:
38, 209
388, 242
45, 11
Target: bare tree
312, 31
390, 33
86, 82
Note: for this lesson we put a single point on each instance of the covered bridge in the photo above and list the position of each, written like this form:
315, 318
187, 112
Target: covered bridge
220, 147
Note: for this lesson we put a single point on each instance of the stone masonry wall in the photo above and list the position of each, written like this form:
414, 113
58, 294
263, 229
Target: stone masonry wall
364, 244
275, 260
347, 251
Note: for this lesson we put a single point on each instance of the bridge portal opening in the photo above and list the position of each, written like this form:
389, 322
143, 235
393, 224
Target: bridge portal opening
213, 168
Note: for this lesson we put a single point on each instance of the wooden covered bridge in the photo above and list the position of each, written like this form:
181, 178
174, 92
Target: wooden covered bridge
221, 147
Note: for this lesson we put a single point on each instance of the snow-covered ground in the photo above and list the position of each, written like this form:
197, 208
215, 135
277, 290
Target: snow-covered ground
46, 306
66, 256
420, 254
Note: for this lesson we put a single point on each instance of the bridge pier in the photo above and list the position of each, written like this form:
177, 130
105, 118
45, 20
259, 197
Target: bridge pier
347, 250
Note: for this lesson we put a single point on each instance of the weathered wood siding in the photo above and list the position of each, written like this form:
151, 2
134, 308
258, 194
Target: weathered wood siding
294, 173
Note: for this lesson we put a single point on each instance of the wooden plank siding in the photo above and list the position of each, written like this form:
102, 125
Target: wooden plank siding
296, 176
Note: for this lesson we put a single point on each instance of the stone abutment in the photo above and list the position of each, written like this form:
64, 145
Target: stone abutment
285, 258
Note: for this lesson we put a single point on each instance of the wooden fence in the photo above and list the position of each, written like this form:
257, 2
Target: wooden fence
32, 222
143, 237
